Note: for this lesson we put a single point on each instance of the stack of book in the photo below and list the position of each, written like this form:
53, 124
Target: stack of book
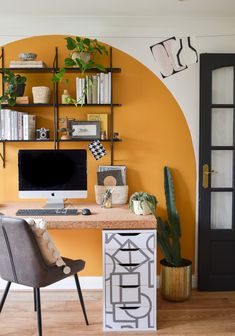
27, 64
94, 89
15, 125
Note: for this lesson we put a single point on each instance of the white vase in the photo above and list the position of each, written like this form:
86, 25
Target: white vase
41, 94
141, 209
84, 56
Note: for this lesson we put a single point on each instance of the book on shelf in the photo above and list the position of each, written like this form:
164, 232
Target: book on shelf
29, 127
15, 125
27, 64
80, 90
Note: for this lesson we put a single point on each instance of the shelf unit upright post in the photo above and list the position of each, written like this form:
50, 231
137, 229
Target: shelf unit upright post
3, 154
111, 104
55, 101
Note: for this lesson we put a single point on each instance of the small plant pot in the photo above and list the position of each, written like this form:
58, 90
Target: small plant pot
41, 94
141, 208
20, 90
84, 56
176, 281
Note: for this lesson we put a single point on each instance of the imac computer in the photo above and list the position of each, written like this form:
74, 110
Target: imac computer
53, 174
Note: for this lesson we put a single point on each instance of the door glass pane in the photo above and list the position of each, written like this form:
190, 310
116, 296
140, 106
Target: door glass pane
222, 164
222, 86
221, 210
222, 127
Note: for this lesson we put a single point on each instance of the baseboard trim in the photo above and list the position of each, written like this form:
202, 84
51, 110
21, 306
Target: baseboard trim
90, 282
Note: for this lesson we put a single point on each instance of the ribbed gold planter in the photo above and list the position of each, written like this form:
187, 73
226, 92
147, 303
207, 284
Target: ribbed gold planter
176, 282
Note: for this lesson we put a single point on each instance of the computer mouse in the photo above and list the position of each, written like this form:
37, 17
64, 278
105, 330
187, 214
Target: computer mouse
86, 212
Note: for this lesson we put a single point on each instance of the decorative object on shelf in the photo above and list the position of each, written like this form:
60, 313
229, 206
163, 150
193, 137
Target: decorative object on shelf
65, 98
66, 128
27, 56
81, 56
115, 136
176, 273
142, 203
85, 129
97, 149
103, 119
103, 135
107, 199
15, 87
41, 94
119, 194
42, 134
22, 100
110, 178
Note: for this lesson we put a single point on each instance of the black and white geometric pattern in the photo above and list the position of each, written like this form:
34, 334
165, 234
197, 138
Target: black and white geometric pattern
97, 149
129, 278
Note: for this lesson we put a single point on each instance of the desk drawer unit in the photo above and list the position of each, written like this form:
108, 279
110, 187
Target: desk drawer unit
129, 277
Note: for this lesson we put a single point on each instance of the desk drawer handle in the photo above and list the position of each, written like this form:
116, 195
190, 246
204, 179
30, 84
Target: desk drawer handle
129, 308
129, 249
129, 286
129, 264
129, 234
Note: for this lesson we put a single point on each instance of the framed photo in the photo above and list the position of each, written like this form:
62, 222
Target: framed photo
103, 118
85, 129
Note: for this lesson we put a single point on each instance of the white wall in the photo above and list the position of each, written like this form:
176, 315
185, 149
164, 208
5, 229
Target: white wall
134, 35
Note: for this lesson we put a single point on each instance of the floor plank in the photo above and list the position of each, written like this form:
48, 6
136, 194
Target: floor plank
204, 314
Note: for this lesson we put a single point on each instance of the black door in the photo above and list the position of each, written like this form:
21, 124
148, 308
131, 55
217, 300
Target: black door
216, 259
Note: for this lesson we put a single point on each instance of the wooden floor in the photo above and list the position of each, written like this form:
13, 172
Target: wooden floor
204, 314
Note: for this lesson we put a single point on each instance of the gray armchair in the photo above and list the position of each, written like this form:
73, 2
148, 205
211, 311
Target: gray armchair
21, 262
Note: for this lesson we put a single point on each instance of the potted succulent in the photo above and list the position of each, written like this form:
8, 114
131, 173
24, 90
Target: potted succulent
176, 274
15, 87
142, 203
82, 51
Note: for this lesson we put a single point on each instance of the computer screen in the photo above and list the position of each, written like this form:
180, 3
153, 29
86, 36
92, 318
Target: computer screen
53, 174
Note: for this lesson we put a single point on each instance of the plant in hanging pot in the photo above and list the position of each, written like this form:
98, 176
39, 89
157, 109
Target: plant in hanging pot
82, 52
142, 203
15, 87
176, 273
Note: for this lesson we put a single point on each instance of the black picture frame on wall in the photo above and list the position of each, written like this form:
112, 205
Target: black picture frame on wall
85, 129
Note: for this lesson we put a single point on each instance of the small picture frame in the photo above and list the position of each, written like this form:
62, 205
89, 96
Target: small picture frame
85, 129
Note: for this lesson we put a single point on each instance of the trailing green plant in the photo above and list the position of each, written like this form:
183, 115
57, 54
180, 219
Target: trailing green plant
169, 231
143, 197
82, 45
12, 81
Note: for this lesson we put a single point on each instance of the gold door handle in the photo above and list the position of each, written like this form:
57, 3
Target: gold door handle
206, 173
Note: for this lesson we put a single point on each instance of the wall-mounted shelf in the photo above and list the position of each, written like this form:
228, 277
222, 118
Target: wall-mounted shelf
56, 105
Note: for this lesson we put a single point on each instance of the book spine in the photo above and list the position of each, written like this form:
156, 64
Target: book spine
106, 88
101, 90
83, 90
88, 88
77, 88
7, 124
94, 90
2, 124
20, 125
29, 123
98, 89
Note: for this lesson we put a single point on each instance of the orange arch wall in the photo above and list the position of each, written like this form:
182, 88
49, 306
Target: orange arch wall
154, 133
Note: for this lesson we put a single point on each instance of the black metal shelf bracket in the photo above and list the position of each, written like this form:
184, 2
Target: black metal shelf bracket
2, 155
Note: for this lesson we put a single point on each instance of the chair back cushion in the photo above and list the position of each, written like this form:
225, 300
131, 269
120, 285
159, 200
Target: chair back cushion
20, 258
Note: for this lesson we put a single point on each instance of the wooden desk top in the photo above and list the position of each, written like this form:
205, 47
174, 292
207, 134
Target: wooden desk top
118, 217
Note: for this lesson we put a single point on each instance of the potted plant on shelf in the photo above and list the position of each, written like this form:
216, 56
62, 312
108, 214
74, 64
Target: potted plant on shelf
82, 51
15, 87
176, 274
142, 203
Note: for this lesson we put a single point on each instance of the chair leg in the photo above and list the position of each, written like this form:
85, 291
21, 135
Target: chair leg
35, 299
5, 295
81, 298
38, 305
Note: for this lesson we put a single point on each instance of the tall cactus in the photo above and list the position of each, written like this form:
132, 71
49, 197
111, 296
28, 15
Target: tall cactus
169, 232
